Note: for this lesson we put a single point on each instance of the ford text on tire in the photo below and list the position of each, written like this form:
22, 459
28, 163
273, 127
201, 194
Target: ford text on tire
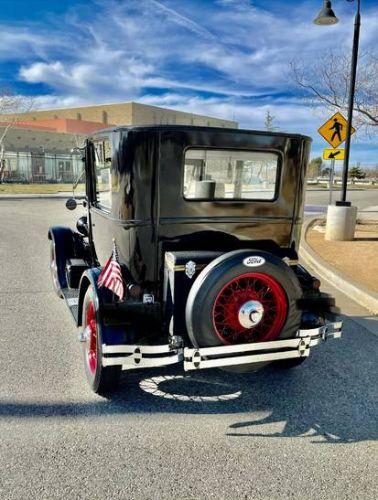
202, 226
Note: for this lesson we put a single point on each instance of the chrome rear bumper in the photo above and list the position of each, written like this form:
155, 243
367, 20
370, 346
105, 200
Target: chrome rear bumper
144, 356
299, 347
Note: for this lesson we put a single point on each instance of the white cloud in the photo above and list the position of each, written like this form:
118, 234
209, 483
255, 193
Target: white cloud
230, 58
241, 49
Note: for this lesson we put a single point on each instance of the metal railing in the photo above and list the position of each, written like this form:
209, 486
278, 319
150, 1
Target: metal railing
45, 168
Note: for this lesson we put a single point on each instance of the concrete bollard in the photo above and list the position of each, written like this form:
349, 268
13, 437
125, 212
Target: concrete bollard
341, 223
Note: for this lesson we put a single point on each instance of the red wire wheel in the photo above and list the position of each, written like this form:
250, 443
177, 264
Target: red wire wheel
250, 289
92, 338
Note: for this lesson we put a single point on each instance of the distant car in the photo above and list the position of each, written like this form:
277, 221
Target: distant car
207, 224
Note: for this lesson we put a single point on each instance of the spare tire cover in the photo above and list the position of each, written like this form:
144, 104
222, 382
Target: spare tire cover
243, 296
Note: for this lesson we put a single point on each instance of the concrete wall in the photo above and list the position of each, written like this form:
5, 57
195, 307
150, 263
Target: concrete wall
34, 140
65, 125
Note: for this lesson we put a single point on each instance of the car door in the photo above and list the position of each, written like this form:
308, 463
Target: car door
101, 203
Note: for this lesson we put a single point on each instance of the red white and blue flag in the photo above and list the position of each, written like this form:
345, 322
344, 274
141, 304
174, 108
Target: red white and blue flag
111, 275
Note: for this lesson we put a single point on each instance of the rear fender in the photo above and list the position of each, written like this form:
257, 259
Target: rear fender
110, 335
88, 278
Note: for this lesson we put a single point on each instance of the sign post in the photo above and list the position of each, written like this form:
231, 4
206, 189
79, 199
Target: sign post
341, 218
331, 176
333, 155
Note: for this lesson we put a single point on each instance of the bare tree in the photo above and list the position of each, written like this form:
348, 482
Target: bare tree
326, 81
13, 105
269, 122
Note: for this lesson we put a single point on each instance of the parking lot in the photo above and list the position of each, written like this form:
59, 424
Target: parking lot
307, 433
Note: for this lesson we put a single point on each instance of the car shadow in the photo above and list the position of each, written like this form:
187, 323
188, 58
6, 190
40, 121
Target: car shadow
332, 395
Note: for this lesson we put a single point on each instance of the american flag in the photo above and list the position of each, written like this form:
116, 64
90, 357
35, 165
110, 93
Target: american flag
111, 275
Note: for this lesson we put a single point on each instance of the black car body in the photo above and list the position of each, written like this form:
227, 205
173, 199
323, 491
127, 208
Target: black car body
189, 210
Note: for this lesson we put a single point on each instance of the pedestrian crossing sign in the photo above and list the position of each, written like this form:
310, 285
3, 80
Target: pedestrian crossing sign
334, 130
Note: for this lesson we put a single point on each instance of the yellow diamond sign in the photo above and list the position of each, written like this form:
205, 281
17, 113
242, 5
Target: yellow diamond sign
334, 130
333, 154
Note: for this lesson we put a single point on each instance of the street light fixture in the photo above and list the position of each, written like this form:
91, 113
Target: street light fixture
326, 17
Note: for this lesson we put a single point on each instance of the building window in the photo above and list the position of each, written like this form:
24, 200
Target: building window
104, 117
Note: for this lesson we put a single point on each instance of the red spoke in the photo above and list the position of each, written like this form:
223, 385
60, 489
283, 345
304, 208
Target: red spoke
92, 339
247, 287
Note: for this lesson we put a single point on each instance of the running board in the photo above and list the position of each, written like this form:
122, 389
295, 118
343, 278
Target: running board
71, 296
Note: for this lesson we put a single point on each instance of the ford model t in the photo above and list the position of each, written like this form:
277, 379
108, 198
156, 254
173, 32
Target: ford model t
198, 229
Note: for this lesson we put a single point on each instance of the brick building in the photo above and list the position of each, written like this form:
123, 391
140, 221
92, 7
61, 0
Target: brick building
37, 148
126, 113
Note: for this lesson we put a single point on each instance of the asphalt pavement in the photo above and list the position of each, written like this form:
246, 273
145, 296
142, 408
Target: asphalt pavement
318, 199
306, 433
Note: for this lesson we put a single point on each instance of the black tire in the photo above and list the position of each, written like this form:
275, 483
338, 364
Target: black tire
216, 275
102, 380
54, 270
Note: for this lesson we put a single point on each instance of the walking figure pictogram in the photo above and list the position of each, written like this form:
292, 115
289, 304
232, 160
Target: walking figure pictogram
337, 127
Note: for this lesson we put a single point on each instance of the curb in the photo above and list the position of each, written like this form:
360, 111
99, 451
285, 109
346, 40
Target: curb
41, 196
346, 285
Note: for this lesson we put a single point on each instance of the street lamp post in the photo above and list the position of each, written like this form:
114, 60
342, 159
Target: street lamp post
341, 218
326, 17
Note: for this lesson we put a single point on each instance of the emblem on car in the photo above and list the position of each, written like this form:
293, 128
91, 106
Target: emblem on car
148, 298
190, 269
254, 261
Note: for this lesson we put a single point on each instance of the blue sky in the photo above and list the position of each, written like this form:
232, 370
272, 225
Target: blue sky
227, 58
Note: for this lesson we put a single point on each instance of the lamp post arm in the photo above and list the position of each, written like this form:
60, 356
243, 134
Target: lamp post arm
352, 88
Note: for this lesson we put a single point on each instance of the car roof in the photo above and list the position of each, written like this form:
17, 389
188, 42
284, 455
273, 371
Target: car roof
157, 128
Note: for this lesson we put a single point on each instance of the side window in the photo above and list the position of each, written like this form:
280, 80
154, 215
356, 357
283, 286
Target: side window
103, 174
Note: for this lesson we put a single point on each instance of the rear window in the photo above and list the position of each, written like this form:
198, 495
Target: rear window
230, 175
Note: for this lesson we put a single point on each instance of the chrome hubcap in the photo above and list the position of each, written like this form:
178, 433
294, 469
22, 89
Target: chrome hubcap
250, 313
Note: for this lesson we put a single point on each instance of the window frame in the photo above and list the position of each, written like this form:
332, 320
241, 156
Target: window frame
96, 202
280, 159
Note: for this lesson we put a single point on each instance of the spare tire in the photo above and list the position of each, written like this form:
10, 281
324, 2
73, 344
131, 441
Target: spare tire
241, 297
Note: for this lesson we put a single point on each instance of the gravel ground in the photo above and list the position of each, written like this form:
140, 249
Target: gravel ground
357, 259
308, 433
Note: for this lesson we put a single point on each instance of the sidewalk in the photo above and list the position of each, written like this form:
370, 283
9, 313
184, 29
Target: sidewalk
38, 196
351, 266
357, 259
27, 196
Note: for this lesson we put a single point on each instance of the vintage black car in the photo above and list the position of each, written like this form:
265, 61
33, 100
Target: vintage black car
206, 223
